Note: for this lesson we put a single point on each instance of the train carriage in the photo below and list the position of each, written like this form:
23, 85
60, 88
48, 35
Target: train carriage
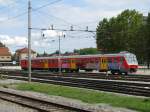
119, 63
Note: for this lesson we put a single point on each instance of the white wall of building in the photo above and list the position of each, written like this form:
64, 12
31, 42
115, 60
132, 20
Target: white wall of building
25, 55
5, 58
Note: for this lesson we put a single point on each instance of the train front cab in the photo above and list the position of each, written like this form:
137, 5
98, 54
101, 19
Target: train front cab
131, 62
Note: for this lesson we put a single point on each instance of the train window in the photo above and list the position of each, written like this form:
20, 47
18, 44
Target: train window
121, 59
102, 60
77, 60
109, 60
115, 60
53, 61
65, 61
68, 60
96, 60
73, 61
85, 60
90, 60
82, 60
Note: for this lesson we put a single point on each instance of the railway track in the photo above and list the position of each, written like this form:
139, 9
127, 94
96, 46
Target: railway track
119, 84
131, 77
42, 105
125, 87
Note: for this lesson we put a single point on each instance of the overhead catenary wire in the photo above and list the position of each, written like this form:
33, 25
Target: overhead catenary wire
25, 12
58, 18
11, 3
61, 19
45, 5
67, 30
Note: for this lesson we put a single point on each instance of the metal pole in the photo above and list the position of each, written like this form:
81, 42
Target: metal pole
59, 60
29, 41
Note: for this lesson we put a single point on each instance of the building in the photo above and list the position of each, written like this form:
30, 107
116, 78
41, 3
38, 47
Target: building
5, 54
23, 53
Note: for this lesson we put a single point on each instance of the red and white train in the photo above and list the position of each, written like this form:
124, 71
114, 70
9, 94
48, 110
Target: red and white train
123, 62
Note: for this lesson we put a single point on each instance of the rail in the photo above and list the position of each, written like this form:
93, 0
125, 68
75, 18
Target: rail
42, 105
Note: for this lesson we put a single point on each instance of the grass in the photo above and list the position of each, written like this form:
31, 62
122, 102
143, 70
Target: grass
89, 96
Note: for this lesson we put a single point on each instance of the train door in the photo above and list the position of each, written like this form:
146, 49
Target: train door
72, 64
103, 64
46, 64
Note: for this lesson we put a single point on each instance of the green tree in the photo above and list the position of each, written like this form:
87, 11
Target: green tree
121, 33
45, 54
148, 40
86, 51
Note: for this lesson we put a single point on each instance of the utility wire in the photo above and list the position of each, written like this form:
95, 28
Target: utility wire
21, 14
43, 6
61, 19
10, 4
50, 15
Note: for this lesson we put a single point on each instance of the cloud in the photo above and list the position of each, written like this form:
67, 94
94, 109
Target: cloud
77, 15
6, 2
8, 24
50, 33
116, 3
13, 41
95, 9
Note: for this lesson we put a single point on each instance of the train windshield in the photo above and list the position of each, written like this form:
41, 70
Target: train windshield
131, 59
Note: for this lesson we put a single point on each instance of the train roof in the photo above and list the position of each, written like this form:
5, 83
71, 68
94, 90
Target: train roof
86, 56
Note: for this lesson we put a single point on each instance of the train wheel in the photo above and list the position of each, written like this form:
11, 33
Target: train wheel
66, 70
113, 72
126, 73
121, 73
71, 71
77, 70
56, 70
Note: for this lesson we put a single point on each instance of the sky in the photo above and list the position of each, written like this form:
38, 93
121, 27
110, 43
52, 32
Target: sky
61, 14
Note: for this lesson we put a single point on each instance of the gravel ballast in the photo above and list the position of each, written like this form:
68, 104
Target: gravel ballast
12, 107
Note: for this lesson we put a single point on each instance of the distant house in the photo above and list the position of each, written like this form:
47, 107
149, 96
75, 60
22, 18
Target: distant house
5, 54
23, 53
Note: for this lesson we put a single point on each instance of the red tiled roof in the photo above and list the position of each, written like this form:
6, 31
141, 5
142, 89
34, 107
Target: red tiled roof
4, 51
24, 50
